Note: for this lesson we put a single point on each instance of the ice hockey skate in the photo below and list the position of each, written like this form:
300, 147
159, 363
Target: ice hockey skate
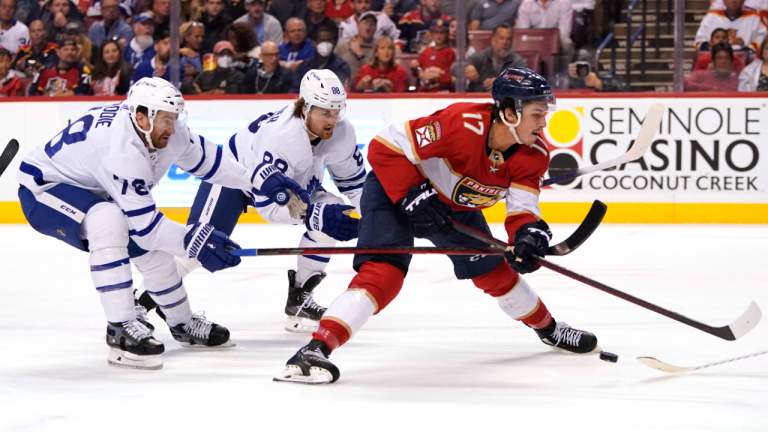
201, 334
133, 346
303, 313
559, 335
310, 365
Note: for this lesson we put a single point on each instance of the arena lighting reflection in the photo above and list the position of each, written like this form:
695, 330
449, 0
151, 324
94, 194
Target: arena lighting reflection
178, 189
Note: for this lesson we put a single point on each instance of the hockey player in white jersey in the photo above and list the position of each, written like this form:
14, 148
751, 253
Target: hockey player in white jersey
90, 186
301, 140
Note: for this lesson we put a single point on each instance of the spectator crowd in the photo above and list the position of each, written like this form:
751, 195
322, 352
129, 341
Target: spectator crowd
99, 47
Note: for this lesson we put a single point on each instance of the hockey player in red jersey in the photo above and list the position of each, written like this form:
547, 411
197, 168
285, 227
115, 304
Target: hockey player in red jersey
443, 167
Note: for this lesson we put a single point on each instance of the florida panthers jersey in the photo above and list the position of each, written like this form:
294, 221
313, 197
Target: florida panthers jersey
746, 31
281, 139
450, 148
102, 152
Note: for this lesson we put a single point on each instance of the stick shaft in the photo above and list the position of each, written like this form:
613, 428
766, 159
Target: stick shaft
368, 251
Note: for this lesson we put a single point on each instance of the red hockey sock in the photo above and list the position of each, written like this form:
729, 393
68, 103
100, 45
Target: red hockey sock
381, 280
497, 282
539, 317
332, 333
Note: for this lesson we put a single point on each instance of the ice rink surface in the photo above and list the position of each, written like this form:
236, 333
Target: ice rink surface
442, 356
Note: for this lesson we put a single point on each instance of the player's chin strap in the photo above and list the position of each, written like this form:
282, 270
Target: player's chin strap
306, 119
512, 126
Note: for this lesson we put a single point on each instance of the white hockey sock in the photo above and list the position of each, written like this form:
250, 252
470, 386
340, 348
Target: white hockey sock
520, 301
308, 265
111, 275
164, 284
352, 309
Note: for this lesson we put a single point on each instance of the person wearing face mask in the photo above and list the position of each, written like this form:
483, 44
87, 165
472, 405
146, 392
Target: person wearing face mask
270, 77
141, 47
325, 59
223, 79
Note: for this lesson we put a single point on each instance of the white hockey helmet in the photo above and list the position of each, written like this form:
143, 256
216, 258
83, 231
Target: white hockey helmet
155, 94
321, 88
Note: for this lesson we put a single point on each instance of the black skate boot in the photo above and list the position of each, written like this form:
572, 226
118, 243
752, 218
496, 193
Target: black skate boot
310, 365
199, 333
303, 313
560, 335
133, 346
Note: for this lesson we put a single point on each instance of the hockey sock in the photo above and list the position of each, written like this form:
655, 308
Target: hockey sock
308, 265
370, 291
111, 274
165, 286
522, 304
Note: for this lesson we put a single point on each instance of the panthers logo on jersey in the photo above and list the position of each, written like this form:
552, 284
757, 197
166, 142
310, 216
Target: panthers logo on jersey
471, 193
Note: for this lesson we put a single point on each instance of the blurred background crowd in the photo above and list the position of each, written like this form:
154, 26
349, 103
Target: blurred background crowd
99, 47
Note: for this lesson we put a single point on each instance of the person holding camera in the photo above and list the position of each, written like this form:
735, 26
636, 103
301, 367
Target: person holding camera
582, 75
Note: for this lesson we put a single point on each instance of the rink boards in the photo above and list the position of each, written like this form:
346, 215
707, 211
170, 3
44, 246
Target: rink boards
704, 166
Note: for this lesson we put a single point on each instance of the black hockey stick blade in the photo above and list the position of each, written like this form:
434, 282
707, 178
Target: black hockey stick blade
735, 330
582, 233
668, 368
381, 250
8, 154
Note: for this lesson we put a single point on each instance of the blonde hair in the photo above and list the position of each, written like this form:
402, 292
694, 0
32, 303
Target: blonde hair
298, 108
380, 41
186, 30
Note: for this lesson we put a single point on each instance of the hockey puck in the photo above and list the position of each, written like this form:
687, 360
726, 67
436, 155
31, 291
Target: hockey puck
609, 357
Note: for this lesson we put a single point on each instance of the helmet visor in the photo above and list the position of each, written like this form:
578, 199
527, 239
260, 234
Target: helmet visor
327, 115
542, 104
165, 122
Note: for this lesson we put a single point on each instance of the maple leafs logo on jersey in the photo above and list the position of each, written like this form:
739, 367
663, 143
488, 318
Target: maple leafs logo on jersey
313, 185
471, 193
428, 134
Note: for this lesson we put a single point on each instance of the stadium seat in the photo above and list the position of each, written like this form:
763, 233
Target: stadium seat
533, 58
546, 41
480, 39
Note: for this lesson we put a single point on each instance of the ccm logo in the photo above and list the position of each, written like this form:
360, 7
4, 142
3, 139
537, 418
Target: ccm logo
68, 210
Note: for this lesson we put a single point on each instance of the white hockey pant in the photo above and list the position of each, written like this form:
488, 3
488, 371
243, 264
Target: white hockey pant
165, 285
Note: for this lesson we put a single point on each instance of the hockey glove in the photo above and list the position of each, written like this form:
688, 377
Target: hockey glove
428, 214
530, 239
210, 247
332, 220
268, 181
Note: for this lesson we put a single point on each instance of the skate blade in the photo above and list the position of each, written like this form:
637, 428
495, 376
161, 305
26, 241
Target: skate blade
295, 324
225, 345
123, 359
597, 350
294, 374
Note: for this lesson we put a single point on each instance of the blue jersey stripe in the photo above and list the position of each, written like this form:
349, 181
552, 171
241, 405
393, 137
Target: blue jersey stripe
202, 159
357, 177
233, 147
149, 228
111, 265
141, 211
35, 172
216, 164
347, 189
306, 236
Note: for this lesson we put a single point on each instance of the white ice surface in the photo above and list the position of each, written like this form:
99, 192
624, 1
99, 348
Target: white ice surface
442, 356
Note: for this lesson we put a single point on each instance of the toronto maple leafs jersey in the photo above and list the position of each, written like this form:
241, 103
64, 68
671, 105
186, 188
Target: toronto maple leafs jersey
102, 152
281, 139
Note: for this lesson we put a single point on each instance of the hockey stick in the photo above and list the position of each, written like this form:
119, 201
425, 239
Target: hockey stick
638, 149
368, 251
10, 151
587, 227
738, 328
666, 367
